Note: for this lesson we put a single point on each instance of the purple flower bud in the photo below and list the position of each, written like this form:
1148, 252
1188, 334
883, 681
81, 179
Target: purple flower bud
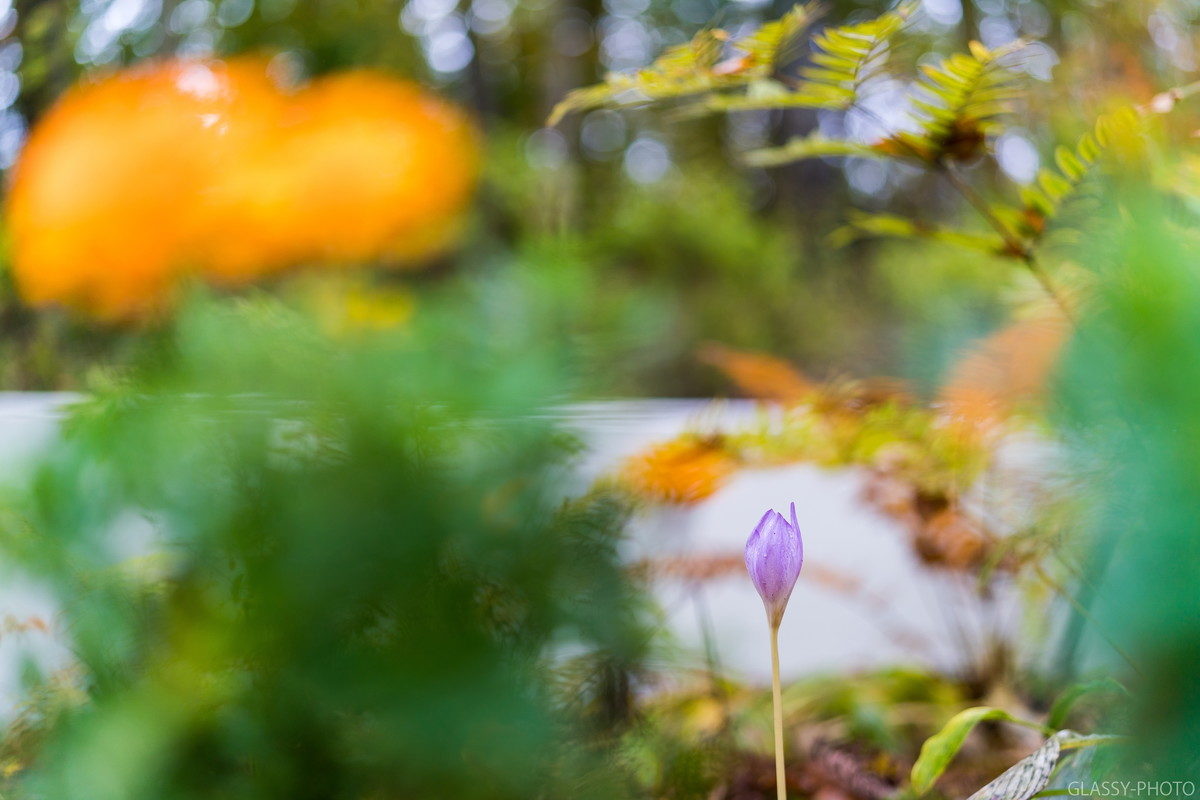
774, 555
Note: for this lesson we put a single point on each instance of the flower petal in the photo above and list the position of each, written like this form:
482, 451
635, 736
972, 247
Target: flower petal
774, 555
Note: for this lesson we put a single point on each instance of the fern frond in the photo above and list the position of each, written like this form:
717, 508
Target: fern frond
960, 103
812, 146
1043, 199
847, 59
844, 61
771, 46
681, 70
862, 225
696, 67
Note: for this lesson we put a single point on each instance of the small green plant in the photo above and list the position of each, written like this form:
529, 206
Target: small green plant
1023, 780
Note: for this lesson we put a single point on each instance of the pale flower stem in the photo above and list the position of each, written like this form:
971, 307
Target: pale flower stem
777, 697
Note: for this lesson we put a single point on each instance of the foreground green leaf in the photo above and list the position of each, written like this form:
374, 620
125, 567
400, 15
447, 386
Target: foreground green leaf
939, 750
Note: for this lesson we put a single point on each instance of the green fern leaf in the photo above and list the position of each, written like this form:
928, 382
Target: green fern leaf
769, 48
813, 146
696, 67
848, 58
844, 61
959, 103
1043, 199
682, 70
863, 225
590, 97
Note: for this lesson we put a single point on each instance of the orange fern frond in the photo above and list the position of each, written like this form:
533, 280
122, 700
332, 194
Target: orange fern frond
1004, 371
684, 471
759, 375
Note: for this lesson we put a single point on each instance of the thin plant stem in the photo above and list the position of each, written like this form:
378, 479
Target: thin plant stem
979, 204
712, 662
777, 698
1083, 612
1011, 241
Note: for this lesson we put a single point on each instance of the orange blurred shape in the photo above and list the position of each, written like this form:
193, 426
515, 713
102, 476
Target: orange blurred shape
759, 375
186, 167
684, 471
359, 167
1005, 371
104, 201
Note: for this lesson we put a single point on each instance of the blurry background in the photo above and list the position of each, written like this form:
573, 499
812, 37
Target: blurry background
637, 236
363, 518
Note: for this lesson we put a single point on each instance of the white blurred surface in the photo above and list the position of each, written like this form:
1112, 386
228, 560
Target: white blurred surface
863, 600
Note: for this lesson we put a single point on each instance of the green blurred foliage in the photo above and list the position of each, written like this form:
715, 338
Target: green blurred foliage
685, 261
357, 564
1129, 387
680, 262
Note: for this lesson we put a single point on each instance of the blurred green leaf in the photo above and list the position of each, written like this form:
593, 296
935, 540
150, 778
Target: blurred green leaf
813, 146
940, 749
